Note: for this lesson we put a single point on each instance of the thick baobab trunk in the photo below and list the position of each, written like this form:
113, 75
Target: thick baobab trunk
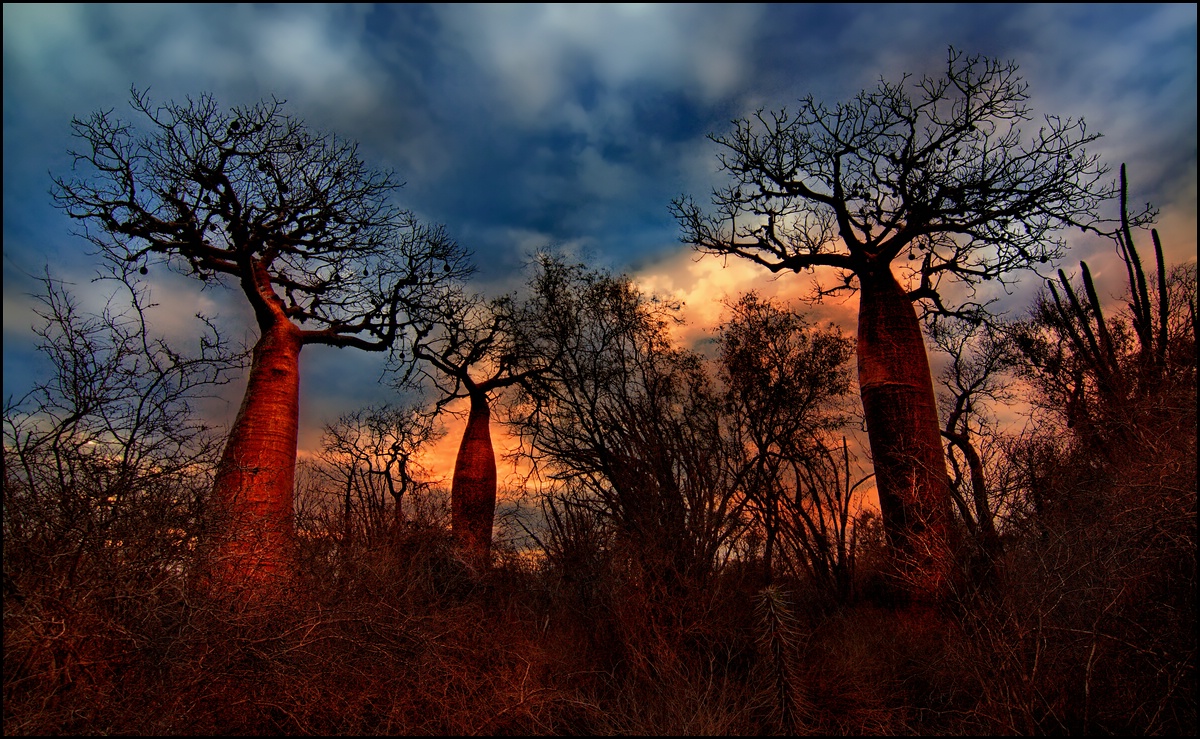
473, 491
254, 483
902, 425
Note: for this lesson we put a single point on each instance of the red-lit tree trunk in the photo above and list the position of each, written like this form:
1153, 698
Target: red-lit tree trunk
473, 490
902, 426
254, 485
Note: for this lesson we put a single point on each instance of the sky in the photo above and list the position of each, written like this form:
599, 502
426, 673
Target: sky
573, 126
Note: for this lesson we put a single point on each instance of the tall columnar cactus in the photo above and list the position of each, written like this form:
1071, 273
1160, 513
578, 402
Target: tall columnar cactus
1117, 371
1111, 379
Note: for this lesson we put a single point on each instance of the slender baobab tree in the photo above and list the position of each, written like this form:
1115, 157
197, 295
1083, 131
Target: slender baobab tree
903, 191
475, 348
250, 199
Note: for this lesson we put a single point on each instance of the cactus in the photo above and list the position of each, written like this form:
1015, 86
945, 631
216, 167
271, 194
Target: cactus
1079, 316
1117, 371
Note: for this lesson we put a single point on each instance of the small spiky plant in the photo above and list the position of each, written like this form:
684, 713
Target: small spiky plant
780, 640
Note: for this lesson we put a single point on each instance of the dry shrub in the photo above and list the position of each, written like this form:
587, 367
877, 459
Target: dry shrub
1094, 628
406, 642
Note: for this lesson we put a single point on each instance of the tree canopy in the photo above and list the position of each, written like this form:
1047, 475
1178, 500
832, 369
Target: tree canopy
937, 169
293, 217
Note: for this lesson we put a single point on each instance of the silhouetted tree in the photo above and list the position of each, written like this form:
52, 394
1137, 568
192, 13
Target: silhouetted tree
368, 455
633, 424
106, 463
783, 382
977, 374
476, 348
936, 176
253, 200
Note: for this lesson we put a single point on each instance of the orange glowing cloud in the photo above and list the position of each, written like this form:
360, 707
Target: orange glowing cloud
704, 284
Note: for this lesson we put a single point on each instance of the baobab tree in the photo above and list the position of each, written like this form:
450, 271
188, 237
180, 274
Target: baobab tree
252, 200
475, 348
937, 178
